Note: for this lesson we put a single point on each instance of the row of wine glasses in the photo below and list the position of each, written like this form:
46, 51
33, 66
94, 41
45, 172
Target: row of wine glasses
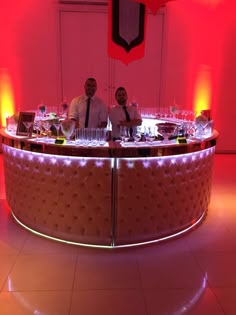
67, 127
170, 114
162, 131
60, 111
138, 134
45, 126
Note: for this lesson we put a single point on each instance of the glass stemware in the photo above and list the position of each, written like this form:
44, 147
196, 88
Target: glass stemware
124, 133
68, 128
28, 125
174, 111
46, 126
57, 125
37, 128
137, 134
150, 134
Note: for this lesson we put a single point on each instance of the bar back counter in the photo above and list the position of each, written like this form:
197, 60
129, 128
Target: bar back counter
108, 196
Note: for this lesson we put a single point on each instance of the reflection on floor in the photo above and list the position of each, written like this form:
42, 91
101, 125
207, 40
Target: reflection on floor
194, 274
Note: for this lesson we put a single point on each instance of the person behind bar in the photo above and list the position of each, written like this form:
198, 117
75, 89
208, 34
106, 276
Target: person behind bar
88, 110
123, 115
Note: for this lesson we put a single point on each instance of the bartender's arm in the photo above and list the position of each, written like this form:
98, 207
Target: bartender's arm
73, 109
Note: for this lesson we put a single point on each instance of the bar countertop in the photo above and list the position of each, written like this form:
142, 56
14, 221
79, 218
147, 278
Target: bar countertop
110, 149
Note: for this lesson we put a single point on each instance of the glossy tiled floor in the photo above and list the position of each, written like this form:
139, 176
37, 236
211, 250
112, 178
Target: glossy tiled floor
195, 274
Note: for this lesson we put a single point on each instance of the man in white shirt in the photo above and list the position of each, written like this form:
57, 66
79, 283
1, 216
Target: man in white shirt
123, 115
89, 110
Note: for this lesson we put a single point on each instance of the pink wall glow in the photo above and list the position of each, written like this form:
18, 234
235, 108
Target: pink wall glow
29, 50
199, 65
200, 45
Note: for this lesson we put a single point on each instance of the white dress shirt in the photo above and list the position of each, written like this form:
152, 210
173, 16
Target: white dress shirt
97, 114
117, 114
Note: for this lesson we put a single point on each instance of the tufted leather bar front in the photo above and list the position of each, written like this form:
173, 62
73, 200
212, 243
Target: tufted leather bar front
161, 196
108, 201
69, 198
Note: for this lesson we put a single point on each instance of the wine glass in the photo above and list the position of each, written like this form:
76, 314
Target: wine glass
57, 125
137, 134
28, 125
124, 133
174, 110
46, 126
68, 128
37, 128
150, 135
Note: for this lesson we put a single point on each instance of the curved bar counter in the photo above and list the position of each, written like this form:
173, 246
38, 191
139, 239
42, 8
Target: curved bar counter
108, 196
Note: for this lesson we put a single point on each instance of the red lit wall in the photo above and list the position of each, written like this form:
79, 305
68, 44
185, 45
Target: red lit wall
200, 65
29, 54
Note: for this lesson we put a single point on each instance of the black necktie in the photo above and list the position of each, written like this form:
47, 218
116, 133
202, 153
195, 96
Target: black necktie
87, 113
128, 119
126, 113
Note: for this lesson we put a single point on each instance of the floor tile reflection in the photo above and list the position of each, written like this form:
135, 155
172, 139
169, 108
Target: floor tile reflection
194, 274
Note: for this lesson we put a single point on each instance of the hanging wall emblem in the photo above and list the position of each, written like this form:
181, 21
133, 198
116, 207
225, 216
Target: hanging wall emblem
127, 20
